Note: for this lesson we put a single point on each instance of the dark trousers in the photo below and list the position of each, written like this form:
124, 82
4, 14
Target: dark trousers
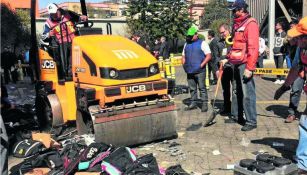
62, 55
260, 61
295, 95
226, 81
243, 96
279, 63
213, 67
197, 81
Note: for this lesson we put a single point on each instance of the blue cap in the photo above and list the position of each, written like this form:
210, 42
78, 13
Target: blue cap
237, 4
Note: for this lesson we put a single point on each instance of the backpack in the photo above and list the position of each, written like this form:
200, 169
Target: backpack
144, 165
176, 170
27, 147
118, 161
90, 154
35, 161
84, 156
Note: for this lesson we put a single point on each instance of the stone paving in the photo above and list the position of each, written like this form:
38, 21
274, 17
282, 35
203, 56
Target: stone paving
214, 149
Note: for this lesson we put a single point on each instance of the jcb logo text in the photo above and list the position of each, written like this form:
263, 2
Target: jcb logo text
48, 64
136, 88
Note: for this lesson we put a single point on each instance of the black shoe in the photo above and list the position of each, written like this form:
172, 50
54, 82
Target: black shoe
190, 107
204, 107
248, 127
231, 120
225, 112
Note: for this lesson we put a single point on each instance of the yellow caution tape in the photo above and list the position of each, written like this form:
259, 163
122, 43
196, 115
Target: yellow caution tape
271, 71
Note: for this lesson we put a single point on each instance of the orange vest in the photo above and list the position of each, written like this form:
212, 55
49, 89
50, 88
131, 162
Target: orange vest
238, 52
68, 29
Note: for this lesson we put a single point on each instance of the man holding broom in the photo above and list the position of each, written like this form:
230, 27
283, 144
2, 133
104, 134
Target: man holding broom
243, 55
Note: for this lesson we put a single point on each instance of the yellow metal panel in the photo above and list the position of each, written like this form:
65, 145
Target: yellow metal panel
67, 97
47, 66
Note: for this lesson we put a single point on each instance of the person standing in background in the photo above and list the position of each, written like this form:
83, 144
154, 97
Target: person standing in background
216, 52
279, 50
196, 54
164, 48
262, 47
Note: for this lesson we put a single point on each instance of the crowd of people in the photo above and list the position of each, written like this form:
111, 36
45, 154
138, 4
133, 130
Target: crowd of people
161, 46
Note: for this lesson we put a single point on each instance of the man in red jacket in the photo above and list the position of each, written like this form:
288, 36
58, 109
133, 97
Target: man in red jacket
243, 55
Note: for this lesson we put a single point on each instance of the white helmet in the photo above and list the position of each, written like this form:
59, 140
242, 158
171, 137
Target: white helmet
52, 8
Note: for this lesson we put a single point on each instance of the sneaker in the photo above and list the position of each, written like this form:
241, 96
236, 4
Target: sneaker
190, 107
248, 127
290, 118
277, 82
281, 81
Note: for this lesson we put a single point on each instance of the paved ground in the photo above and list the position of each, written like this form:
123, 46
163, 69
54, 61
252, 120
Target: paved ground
214, 149
200, 145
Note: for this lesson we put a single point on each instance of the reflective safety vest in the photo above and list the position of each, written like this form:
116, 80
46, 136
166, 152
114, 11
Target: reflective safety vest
68, 29
238, 52
194, 56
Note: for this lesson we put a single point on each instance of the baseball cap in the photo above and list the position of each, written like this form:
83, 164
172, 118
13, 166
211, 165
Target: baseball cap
299, 29
237, 4
52, 8
192, 31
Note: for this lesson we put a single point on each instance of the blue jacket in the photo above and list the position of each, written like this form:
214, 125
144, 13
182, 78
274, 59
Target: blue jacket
194, 56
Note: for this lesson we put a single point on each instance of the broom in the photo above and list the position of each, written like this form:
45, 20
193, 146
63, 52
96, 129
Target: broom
212, 116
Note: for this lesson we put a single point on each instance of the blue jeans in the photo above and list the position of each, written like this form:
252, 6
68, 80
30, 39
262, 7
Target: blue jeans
301, 151
197, 81
243, 96
295, 95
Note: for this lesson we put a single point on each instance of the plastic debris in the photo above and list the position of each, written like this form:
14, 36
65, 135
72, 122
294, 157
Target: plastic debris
245, 142
216, 152
230, 167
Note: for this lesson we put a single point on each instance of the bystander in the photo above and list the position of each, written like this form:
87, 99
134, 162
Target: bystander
196, 54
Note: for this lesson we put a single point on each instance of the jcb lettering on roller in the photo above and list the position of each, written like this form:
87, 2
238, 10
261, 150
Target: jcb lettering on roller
135, 88
48, 64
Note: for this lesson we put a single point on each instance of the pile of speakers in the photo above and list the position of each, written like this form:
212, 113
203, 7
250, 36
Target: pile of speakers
266, 164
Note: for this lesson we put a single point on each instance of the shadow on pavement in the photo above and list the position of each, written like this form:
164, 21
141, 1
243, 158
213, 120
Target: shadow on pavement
286, 147
194, 127
269, 79
279, 110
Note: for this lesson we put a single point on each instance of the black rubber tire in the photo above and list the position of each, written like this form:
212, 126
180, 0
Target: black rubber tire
279, 162
246, 162
263, 167
43, 113
265, 158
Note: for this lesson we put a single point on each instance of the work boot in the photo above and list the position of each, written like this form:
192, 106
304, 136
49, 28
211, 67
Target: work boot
290, 118
191, 107
204, 107
248, 127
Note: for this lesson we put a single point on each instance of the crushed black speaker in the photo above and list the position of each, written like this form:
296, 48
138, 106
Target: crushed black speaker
266, 164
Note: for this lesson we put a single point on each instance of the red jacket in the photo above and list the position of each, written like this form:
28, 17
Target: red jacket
246, 44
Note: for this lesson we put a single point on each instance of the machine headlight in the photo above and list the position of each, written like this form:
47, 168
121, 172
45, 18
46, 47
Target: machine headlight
113, 73
153, 69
